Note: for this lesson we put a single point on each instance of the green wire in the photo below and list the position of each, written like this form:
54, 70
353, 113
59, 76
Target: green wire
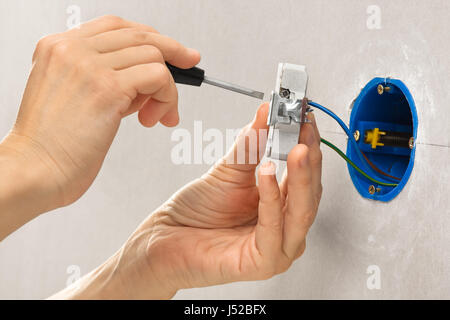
332, 146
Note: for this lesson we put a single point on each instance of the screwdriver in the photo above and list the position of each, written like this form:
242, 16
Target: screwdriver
196, 76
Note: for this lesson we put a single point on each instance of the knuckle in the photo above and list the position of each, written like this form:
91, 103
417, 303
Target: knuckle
275, 225
301, 250
175, 99
154, 52
141, 36
43, 44
270, 196
175, 48
308, 218
112, 20
316, 160
319, 191
44, 47
303, 182
161, 73
60, 49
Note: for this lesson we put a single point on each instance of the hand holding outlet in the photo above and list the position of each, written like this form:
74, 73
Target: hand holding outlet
221, 228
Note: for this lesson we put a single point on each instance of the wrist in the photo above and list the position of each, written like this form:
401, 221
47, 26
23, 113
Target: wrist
128, 274
100, 284
26, 190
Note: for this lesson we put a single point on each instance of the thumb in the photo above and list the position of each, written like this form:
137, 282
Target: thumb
248, 149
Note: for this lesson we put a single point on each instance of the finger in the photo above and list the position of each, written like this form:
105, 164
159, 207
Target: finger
172, 50
154, 111
284, 187
151, 79
312, 118
300, 201
137, 104
171, 118
309, 137
250, 144
269, 228
312, 140
132, 56
106, 23
301, 250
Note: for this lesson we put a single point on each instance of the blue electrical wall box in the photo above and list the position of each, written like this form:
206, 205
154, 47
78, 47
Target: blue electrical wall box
386, 105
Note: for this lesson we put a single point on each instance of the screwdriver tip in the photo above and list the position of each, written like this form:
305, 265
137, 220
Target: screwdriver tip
258, 95
233, 87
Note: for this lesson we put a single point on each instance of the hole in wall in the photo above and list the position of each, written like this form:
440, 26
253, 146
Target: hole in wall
384, 123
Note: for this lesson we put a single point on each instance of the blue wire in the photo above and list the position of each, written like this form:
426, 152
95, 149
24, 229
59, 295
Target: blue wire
349, 134
334, 116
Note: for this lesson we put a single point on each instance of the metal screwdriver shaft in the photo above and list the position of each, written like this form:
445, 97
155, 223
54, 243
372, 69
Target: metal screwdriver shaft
233, 87
196, 76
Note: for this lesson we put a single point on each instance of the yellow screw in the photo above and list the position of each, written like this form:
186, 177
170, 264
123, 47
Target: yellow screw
372, 189
381, 89
356, 135
411, 143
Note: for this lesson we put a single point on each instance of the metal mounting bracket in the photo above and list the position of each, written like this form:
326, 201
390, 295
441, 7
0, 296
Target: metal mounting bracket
287, 110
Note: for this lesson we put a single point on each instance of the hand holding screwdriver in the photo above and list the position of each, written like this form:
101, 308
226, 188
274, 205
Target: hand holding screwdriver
83, 82
196, 76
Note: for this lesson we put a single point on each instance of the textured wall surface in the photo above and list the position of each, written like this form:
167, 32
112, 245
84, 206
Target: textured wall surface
243, 41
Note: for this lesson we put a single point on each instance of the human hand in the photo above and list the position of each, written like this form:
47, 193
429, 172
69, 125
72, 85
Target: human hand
82, 83
222, 227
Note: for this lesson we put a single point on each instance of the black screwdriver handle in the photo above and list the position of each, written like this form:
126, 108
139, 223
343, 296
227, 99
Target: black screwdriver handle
193, 76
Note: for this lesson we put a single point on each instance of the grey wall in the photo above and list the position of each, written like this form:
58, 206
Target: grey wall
243, 41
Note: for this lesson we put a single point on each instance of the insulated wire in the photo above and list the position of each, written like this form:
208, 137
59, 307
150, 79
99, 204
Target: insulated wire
332, 146
374, 167
346, 129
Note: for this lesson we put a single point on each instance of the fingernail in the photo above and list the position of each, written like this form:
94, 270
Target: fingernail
268, 168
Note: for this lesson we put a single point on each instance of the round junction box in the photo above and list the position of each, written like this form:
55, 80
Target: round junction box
384, 123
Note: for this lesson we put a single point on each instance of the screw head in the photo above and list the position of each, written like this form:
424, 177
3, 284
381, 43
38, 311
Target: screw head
285, 93
380, 89
356, 135
411, 143
372, 189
